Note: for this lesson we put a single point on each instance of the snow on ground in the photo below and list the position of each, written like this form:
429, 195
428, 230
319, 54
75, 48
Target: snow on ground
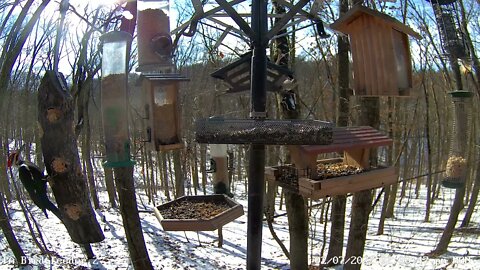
403, 245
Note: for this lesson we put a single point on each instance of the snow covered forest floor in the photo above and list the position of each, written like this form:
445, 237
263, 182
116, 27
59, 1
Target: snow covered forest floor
402, 246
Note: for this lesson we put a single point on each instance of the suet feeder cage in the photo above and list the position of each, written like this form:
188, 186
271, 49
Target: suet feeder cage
380, 51
162, 110
237, 75
450, 28
114, 93
154, 40
198, 213
350, 173
456, 168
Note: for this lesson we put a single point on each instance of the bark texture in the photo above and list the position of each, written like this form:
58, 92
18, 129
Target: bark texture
62, 161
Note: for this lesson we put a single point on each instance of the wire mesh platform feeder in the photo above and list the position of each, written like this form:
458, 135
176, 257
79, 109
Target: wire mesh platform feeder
116, 48
237, 75
456, 167
198, 213
163, 130
380, 51
268, 132
450, 29
317, 179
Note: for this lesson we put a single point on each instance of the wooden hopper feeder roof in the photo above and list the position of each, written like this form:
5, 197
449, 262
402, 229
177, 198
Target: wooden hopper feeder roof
343, 23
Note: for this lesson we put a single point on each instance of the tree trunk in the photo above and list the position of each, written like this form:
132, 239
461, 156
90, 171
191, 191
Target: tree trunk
473, 197
298, 229
179, 181
86, 153
337, 231
195, 169
362, 201
131, 219
452, 221
203, 171
109, 183
8, 233
60, 154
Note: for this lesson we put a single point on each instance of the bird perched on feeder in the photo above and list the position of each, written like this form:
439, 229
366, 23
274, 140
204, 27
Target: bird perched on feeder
34, 181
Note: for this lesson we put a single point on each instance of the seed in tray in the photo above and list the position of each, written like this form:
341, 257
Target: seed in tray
336, 170
194, 210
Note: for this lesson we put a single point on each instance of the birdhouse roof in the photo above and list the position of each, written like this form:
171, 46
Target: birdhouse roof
343, 23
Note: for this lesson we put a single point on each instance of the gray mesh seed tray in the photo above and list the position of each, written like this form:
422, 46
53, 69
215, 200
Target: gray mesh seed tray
270, 132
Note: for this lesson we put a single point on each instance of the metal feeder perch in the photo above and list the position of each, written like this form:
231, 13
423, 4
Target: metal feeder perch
161, 106
268, 132
449, 27
116, 48
154, 41
237, 75
198, 213
456, 168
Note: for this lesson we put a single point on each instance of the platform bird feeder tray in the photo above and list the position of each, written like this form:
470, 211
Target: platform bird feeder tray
338, 179
268, 132
198, 213
163, 130
380, 51
237, 75
315, 181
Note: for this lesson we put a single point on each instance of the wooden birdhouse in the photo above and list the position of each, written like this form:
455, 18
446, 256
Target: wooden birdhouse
162, 111
380, 51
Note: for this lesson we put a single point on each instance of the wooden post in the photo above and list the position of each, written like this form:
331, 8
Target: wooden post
60, 154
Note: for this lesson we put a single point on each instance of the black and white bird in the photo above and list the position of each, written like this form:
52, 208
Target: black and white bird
35, 182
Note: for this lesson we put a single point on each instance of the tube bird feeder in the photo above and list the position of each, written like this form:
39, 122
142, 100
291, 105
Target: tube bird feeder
456, 168
449, 28
154, 40
116, 48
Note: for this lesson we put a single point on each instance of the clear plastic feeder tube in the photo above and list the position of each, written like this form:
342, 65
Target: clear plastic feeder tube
116, 51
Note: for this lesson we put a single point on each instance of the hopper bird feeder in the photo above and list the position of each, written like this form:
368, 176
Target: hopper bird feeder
198, 213
116, 48
380, 51
161, 106
317, 179
456, 168
154, 40
237, 75
450, 28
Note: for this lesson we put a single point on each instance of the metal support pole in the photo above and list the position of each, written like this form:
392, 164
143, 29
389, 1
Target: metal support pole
256, 181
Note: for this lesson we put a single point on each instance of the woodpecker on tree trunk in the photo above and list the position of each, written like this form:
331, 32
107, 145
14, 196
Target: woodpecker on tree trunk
34, 181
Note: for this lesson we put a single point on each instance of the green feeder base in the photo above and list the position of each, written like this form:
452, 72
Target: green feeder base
453, 183
119, 164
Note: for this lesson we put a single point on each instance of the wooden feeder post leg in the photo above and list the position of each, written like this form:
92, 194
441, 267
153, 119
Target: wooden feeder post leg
60, 154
